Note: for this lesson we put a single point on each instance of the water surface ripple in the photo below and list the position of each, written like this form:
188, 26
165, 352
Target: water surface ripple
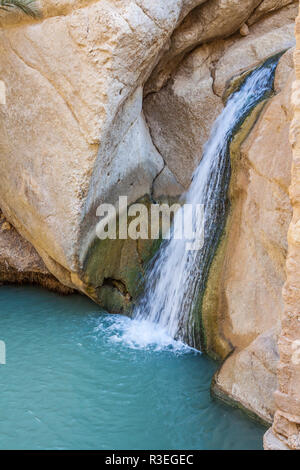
77, 378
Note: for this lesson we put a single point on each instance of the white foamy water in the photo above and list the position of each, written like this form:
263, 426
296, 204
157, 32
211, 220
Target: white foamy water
177, 277
140, 334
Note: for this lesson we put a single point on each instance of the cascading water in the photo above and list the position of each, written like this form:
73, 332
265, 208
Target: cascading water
177, 277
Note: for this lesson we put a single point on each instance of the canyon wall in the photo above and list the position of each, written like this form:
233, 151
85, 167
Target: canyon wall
74, 133
285, 433
243, 303
117, 97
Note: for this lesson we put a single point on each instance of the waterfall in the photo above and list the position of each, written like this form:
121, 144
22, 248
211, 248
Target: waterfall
176, 279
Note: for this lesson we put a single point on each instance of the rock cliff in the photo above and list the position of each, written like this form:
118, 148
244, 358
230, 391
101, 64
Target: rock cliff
244, 298
285, 433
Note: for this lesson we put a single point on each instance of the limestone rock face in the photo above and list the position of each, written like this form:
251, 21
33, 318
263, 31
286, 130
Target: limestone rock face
266, 214
181, 114
286, 426
216, 19
284, 69
271, 442
249, 52
20, 263
253, 251
268, 6
82, 139
74, 134
248, 377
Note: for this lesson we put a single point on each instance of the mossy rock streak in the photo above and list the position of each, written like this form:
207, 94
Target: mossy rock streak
213, 305
235, 83
114, 270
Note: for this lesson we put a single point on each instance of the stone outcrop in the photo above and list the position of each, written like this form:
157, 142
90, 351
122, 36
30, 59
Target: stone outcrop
285, 433
248, 379
82, 139
266, 7
20, 263
175, 114
214, 19
266, 39
181, 114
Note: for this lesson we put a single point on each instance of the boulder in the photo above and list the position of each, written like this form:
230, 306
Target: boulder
248, 377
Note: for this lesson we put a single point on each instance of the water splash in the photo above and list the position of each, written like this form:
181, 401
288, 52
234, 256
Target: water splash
176, 280
139, 334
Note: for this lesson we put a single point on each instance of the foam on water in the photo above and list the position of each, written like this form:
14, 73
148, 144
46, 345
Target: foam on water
139, 334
